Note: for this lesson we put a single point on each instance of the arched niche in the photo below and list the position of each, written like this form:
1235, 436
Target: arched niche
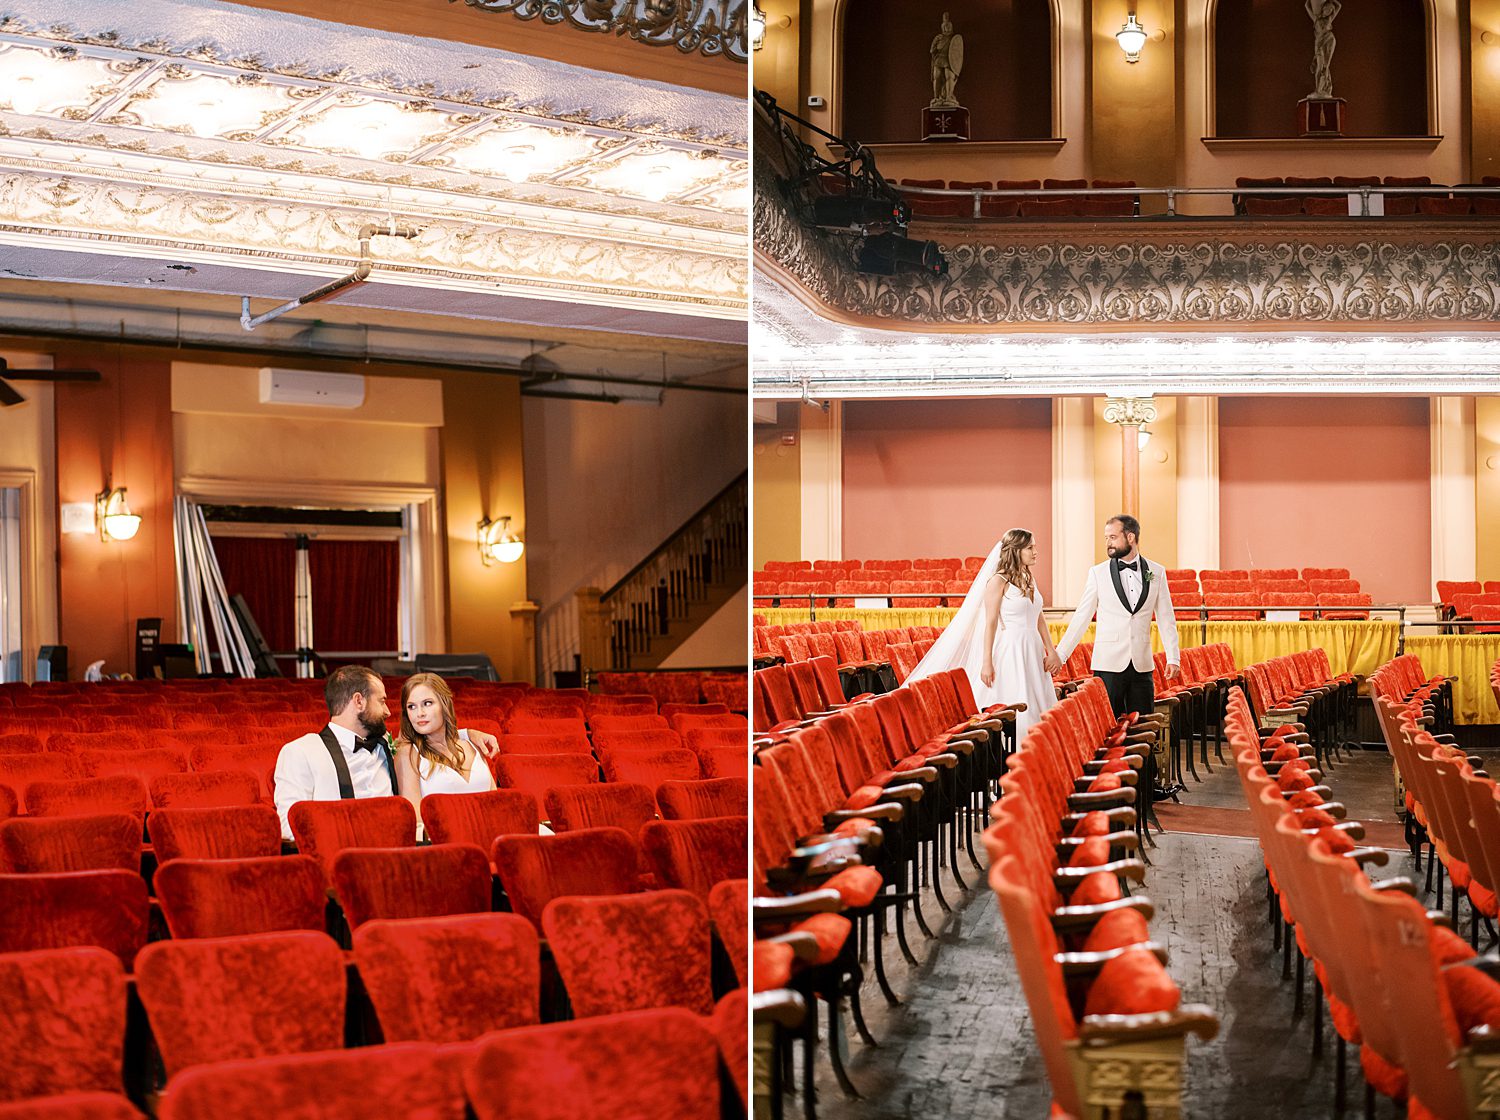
886, 78
1262, 66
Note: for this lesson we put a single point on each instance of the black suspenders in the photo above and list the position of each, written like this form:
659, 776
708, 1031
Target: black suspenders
341, 767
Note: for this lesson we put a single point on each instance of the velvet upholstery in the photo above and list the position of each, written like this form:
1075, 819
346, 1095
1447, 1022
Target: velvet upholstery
651, 768
731, 1030
62, 1014
706, 797
97, 843
607, 743
724, 762
658, 1063
403, 1081
624, 805
544, 742
258, 759
423, 882
215, 999
536, 869
695, 855
73, 1106
1132, 984
229, 897
18, 771
232, 832
208, 789
144, 764
323, 829
10, 802
729, 908
450, 979
627, 952
49, 911
477, 818
537, 773
118, 793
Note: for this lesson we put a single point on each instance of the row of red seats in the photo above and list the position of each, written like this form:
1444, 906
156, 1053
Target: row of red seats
1398, 983
1048, 206
1448, 591
1301, 687
1061, 845
1439, 201
679, 687
918, 563
1251, 606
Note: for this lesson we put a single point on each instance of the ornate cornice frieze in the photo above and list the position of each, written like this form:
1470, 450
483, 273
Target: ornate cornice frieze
85, 214
1152, 274
714, 28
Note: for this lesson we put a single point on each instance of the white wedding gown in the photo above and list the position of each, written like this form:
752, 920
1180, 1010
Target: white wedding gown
1019, 651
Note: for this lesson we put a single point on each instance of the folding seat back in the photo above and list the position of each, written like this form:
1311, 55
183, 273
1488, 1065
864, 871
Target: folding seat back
258, 759
609, 721
228, 832
210, 789
629, 952
52, 844
708, 797
450, 979
683, 722
904, 658
658, 1062
232, 897
10, 804
652, 767
404, 1079
622, 805
108, 909
77, 742
20, 742
533, 725
655, 739
542, 743
19, 771
849, 645
697, 855
426, 882
536, 774
144, 764
805, 684
792, 647
322, 829
477, 818
591, 861
255, 996
63, 1011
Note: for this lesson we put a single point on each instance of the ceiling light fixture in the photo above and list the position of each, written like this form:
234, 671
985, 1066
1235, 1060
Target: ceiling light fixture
113, 516
1131, 37
498, 543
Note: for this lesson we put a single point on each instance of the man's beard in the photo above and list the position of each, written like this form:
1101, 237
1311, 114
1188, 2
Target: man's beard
1115, 553
372, 727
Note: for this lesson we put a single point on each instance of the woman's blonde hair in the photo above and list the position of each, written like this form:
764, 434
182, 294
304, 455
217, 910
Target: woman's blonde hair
1010, 567
449, 754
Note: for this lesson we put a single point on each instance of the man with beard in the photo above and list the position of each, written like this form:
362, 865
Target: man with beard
349, 757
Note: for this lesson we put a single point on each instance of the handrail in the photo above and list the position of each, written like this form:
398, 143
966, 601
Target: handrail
1173, 193
671, 538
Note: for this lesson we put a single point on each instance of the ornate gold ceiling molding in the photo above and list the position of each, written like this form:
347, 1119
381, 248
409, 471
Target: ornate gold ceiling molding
714, 28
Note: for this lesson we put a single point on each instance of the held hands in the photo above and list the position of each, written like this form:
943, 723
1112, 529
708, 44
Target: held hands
1173, 672
1051, 663
987, 674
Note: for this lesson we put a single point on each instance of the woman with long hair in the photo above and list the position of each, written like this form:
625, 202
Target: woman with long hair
433, 755
999, 635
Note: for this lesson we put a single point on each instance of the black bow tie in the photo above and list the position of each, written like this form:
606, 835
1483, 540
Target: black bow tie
1127, 565
370, 743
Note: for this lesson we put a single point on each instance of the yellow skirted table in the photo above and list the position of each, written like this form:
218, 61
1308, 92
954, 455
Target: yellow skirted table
1468, 657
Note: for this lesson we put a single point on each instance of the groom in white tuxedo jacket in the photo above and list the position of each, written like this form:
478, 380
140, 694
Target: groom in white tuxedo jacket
1128, 591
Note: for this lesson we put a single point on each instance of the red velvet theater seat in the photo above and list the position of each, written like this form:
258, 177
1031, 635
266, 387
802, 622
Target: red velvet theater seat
323, 829
536, 773
707, 797
652, 767
119, 793
230, 897
108, 909
477, 818
62, 1016
625, 805
46, 844
19, 771
729, 908
258, 759
658, 1063
697, 855
215, 999
450, 979
403, 1081
411, 882
73, 1106
212, 789
628, 952
143, 764
230, 832
731, 1021
534, 870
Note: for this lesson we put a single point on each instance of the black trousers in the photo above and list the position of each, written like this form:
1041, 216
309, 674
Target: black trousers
1129, 690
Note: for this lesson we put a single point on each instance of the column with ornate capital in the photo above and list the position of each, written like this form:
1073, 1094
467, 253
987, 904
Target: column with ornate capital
1131, 414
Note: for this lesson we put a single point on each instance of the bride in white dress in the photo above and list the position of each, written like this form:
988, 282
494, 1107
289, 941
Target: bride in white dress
433, 755
999, 636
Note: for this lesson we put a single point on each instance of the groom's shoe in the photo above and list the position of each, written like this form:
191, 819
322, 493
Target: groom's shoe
1164, 793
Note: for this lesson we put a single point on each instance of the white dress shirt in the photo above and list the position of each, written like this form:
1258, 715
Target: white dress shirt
305, 772
1131, 580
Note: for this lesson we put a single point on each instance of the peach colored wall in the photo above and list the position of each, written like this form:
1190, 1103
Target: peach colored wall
121, 427
1329, 482
946, 478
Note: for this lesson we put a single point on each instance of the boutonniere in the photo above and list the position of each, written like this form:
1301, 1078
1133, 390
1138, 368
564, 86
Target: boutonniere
1145, 574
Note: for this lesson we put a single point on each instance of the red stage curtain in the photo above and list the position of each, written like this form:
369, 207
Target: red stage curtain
356, 586
263, 570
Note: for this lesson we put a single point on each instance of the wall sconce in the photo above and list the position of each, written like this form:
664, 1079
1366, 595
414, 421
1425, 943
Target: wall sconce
1131, 37
498, 543
757, 27
1142, 438
112, 513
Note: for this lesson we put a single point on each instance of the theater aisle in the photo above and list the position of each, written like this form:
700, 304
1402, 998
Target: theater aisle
962, 1043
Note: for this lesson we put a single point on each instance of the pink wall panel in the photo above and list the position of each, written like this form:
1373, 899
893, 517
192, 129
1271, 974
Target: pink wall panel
946, 478
1329, 482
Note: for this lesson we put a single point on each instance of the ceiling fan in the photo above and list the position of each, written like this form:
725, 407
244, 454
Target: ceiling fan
8, 394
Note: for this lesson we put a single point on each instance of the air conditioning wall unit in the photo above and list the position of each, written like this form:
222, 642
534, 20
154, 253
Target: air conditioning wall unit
311, 389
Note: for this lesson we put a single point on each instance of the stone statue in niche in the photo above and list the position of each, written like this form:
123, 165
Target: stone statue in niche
1320, 113
944, 118
947, 63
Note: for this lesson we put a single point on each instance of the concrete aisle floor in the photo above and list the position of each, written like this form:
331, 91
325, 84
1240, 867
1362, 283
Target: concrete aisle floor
962, 1045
